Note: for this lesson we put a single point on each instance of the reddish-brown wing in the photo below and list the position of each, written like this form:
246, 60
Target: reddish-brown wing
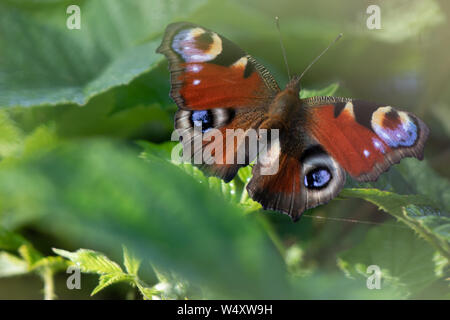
209, 71
365, 138
295, 175
216, 85
326, 137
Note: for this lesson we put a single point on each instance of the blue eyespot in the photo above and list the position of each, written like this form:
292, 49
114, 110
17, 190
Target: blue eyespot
202, 120
317, 178
396, 129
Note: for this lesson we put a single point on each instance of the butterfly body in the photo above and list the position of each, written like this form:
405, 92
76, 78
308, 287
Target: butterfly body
216, 85
284, 106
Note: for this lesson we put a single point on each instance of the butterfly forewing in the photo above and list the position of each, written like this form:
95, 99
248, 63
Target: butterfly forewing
366, 138
209, 71
216, 85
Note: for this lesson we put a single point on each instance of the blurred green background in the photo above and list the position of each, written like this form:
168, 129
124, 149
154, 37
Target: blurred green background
84, 122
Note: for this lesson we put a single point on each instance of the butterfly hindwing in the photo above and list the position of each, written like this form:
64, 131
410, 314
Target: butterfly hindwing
222, 131
306, 178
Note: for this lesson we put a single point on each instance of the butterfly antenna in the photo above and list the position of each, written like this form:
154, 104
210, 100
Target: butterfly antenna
277, 22
318, 57
354, 221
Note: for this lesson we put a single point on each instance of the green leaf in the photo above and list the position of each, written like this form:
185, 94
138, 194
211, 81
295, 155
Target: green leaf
29, 254
10, 241
426, 181
130, 262
42, 139
108, 279
387, 201
55, 264
405, 260
426, 207
17, 145
413, 210
430, 219
441, 265
160, 151
31, 261
99, 117
334, 285
59, 65
11, 265
434, 226
10, 136
324, 92
245, 174
147, 293
91, 261
156, 210
164, 150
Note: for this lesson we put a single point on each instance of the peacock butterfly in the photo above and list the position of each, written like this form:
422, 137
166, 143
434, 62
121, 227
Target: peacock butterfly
217, 85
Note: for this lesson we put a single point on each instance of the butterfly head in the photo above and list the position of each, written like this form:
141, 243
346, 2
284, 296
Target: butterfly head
284, 105
294, 84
